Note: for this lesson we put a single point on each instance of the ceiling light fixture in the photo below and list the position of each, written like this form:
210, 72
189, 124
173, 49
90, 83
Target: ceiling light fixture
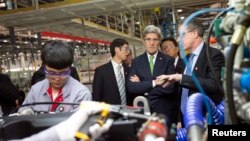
182, 17
2, 4
179, 10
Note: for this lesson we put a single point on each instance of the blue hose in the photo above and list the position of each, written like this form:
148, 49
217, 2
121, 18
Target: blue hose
194, 111
194, 114
181, 135
221, 109
244, 81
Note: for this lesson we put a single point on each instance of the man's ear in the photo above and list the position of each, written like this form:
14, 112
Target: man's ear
196, 35
116, 49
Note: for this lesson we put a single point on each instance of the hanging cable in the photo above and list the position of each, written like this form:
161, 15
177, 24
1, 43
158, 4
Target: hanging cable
210, 29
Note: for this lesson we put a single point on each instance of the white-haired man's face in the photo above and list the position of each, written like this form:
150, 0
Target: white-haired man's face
151, 42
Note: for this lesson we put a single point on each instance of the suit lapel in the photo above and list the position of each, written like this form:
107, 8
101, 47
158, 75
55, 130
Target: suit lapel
179, 68
111, 73
201, 61
145, 65
158, 63
126, 70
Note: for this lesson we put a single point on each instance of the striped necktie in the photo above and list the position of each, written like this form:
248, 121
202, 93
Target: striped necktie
121, 85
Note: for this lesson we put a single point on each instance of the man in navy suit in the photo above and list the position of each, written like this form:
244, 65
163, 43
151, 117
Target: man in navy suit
193, 41
169, 46
144, 70
105, 83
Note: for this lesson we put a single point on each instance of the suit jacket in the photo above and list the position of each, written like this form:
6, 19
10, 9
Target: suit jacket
180, 66
161, 100
105, 87
8, 94
212, 87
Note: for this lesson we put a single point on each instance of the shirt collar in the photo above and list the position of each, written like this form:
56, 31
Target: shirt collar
65, 90
153, 55
115, 65
197, 51
176, 60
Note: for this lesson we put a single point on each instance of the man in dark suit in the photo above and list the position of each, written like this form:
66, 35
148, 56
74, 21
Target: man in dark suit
193, 41
106, 77
8, 95
169, 46
144, 70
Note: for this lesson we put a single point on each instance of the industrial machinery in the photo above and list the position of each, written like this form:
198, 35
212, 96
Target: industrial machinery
236, 25
130, 123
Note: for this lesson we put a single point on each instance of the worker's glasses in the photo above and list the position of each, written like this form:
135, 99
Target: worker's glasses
60, 74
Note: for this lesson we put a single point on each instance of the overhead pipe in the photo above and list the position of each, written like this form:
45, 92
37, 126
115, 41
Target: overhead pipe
74, 38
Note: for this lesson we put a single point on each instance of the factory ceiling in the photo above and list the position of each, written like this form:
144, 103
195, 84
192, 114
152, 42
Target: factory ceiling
83, 18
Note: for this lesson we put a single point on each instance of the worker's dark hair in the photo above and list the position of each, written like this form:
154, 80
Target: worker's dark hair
57, 54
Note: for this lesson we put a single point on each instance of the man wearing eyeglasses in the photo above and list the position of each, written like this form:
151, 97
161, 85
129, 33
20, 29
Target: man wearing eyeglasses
109, 84
209, 81
58, 86
169, 46
144, 70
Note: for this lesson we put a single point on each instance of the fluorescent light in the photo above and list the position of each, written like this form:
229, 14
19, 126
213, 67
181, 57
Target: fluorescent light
2, 5
179, 10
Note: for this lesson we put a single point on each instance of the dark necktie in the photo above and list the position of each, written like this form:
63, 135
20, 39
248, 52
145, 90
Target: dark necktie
184, 95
